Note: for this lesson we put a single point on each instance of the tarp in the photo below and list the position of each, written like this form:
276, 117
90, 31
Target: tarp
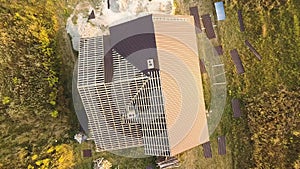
220, 11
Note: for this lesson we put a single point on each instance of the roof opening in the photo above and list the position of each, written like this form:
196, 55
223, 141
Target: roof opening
150, 63
130, 113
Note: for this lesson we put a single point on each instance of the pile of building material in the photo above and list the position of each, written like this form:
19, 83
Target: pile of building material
167, 162
100, 163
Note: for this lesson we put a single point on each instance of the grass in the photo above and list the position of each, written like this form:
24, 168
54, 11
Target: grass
259, 77
276, 42
116, 160
194, 158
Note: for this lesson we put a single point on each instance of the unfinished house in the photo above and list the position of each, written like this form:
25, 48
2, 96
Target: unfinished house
141, 86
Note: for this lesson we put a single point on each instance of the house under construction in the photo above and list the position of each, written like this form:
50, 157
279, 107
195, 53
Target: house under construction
141, 86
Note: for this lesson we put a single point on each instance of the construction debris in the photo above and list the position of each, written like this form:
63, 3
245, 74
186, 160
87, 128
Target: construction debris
167, 162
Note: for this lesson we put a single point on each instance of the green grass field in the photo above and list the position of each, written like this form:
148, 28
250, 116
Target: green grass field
272, 32
116, 160
259, 76
36, 63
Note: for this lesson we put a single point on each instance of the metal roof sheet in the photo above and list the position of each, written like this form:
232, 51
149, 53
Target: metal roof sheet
241, 22
181, 83
237, 61
209, 29
221, 145
207, 150
219, 49
195, 13
135, 41
236, 107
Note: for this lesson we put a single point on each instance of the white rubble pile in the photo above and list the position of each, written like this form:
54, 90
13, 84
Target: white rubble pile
120, 11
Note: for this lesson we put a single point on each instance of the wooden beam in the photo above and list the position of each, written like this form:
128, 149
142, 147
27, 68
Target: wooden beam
252, 49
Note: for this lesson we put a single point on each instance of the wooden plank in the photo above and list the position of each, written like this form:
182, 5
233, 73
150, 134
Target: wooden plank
237, 61
221, 145
207, 150
252, 49
209, 29
236, 108
87, 153
168, 162
242, 26
194, 12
